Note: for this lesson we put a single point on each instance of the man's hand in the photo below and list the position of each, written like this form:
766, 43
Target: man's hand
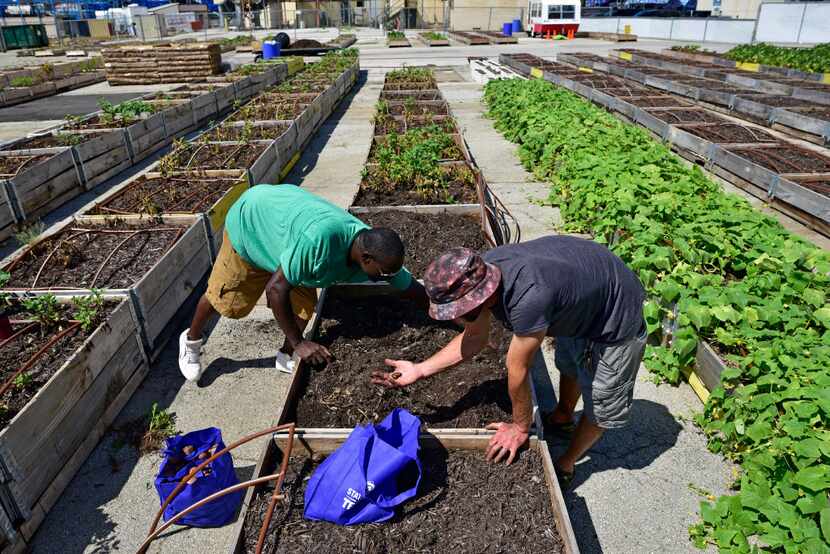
313, 352
405, 373
509, 438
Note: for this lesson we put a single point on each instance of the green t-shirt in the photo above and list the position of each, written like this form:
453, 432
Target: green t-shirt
273, 226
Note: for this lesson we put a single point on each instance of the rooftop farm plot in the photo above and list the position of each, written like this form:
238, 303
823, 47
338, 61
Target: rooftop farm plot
410, 76
729, 133
360, 333
396, 39
247, 131
658, 101
14, 163
115, 116
786, 158
781, 101
405, 181
719, 288
418, 95
265, 110
690, 115
460, 497
472, 39
56, 140
413, 108
113, 255
212, 155
423, 244
157, 193
428, 143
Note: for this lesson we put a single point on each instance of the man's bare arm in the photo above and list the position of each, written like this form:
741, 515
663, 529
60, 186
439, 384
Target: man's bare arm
278, 293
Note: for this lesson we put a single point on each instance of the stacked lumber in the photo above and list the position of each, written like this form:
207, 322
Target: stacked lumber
162, 63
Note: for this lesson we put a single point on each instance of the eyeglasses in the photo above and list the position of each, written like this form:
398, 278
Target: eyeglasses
388, 276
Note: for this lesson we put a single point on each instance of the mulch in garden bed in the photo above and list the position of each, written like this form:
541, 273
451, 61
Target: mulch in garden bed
22, 349
54, 141
14, 165
782, 101
214, 156
361, 333
786, 158
820, 186
464, 505
458, 187
233, 133
189, 193
389, 124
656, 101
418, 108
269, 111
686, 116
85, 256
729, 133
422, 243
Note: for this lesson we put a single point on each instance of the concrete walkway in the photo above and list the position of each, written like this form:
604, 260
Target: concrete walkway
632, 491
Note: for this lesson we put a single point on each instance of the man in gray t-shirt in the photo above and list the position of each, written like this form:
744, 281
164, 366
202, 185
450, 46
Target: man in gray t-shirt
569, 288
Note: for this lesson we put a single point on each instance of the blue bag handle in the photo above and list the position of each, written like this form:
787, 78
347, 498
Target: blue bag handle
404, 428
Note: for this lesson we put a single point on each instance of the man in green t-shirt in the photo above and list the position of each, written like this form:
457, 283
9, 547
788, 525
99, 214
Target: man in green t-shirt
288, 242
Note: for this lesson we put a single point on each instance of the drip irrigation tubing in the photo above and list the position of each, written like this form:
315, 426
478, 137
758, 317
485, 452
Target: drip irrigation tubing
30, 362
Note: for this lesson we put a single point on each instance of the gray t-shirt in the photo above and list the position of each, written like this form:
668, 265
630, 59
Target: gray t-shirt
572, 287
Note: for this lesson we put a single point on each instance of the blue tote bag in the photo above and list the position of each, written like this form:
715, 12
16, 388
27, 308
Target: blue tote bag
219, 474
374, 470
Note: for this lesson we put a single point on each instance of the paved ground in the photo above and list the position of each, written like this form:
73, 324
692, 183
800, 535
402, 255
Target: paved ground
631, 493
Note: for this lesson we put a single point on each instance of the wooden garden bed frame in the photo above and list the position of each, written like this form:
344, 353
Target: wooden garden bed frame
745, 66
325, 442
778, 190
65, 77
468, 37
433, 42
46, 443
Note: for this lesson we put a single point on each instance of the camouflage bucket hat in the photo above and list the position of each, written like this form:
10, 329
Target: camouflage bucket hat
459, 281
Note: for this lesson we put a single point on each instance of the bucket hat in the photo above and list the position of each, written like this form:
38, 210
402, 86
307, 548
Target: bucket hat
459, 281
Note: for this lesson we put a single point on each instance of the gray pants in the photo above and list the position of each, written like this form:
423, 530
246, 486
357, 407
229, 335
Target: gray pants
606, 374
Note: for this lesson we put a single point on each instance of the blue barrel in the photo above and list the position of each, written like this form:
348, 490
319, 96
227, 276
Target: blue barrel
270, 49
517, 25
507, 29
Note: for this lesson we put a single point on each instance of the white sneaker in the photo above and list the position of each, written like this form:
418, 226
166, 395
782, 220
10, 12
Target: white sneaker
285, 363
190, 357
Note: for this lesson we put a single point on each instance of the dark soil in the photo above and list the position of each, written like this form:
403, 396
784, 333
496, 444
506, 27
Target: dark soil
387, 87
656, 101
305, 88
269, 111
821, 186
401, 125
306, 43
284, 97
14, 165
464, 505
623, 92
216, 156
729, 133
175, 194
423, 242
782, 101
419, 108
421, 95
786, 159
78, 256
459, 189
361, 333
233, 133
20, 350
54, 141
687, 116
96, 122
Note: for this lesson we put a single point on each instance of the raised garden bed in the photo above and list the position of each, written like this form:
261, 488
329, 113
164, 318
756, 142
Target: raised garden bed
471, 39
785, 158
495, 37
657, 102
412, 108
729, 133
391, 124
419, 95
360, 333
64, 397
402, 86
396, 39
257, 158
24, 85
245, 131
690, 115
819, 185
426, 141
454, 183
418, 232
158, 262
434, 39
452, 511
268, 111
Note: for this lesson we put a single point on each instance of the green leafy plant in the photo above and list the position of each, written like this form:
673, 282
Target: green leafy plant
45, 309
22, 381
715, 269
89, 310
22, 82
127, 112
434, 36
69, 139
411, 75
161, 424
395, 35
28, 234
815, 59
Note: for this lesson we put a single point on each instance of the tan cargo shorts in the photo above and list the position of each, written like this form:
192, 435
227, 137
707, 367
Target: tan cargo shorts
234, 286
